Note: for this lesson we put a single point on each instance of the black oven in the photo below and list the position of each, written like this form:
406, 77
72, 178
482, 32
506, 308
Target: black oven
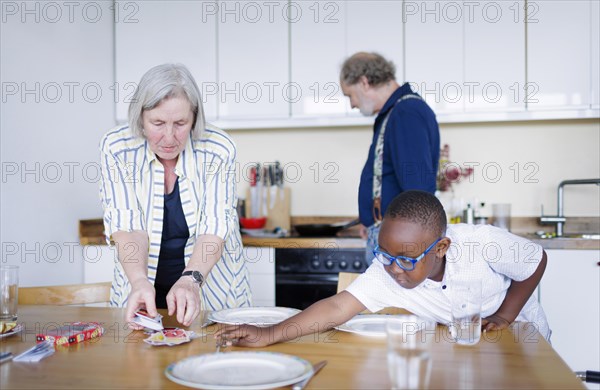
306, 275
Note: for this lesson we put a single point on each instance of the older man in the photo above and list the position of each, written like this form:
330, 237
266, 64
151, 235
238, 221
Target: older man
404, 151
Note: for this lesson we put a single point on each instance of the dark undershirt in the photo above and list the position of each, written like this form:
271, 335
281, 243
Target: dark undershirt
175, 234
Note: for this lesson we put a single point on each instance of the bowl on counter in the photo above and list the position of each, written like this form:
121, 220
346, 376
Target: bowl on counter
253, 223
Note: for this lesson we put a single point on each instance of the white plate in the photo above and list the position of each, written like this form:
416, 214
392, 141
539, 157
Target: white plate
239, 370
374, 324
260, 316
366, 325
14, 330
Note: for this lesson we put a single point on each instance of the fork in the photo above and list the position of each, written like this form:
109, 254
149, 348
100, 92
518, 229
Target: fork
224, 343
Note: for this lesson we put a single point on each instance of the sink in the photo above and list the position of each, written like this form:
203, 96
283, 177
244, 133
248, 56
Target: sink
582, 236
585, 236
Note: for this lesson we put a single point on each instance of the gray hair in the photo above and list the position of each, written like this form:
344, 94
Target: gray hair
373, 66
163, 82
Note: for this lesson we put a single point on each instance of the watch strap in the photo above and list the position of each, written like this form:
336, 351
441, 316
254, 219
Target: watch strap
196, 276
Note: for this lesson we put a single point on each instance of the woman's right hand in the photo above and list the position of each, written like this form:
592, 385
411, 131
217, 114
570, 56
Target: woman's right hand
142, 295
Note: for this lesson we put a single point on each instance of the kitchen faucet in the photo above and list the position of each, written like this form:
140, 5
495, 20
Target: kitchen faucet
560, 219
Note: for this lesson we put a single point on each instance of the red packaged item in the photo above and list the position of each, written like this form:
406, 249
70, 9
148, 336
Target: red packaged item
71, 333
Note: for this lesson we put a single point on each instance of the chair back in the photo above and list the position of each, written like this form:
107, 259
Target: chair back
73, 294
346, 278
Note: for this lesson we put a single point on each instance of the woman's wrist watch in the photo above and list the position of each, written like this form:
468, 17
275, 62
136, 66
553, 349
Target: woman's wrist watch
196, 276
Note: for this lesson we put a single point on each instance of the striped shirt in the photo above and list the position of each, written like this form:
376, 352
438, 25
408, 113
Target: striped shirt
132, 193
477, 252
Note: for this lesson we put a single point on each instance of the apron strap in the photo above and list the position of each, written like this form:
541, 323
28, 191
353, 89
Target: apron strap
378, 162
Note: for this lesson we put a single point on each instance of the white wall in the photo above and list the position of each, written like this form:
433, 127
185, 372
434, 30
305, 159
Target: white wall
519, 163
39, 215
49, 130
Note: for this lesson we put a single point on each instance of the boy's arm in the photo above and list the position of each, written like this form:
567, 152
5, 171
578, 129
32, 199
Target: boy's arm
516, 296
320, 316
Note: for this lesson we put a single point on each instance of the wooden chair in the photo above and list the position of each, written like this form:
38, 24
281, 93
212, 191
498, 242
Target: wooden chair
73, 294
346, 278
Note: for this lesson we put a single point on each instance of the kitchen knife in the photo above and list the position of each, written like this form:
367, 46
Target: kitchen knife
302, 384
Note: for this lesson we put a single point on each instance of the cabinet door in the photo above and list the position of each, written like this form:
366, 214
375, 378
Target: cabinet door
435, 53
98, 263
317, 50
260, 262
595, 47
494, 37
376, 26
558, 54
253, 59
570, 296
150, 33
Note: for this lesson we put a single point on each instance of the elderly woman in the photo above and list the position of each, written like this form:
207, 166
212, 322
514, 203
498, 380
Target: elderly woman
168, 193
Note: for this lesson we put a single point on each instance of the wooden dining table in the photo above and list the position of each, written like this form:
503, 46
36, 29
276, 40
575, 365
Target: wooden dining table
512, 358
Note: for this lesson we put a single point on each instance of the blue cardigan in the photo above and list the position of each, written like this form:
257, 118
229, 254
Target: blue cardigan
411, 152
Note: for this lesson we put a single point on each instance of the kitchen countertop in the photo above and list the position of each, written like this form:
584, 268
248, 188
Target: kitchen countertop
305, 242
348, 242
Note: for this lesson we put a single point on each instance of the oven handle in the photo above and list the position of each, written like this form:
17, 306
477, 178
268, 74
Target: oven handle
306, 279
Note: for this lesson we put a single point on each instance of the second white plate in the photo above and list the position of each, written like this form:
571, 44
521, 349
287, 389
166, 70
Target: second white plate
374, 324
239, 370
366, 325
259, 316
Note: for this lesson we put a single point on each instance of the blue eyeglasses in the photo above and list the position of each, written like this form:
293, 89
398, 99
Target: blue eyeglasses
406, 263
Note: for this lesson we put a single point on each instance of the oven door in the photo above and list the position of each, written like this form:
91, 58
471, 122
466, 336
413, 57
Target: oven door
302, 290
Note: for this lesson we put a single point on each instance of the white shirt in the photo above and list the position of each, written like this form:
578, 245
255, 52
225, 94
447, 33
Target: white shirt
477, 252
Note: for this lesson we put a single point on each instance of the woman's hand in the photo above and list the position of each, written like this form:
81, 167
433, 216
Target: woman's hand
184, 299
494, 322
244, 336
142, 295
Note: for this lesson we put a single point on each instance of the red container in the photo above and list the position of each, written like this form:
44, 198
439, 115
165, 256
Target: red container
253, 223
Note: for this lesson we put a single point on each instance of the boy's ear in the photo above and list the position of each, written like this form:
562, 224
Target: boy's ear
442, 247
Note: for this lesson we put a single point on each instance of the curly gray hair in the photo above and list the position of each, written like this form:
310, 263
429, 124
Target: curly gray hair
373, 66
163, 82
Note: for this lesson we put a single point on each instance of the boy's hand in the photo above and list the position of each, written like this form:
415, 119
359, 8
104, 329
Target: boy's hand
244, 336
494, 322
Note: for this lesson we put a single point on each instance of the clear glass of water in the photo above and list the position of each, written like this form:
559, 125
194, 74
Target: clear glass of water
9, 289
409, 361
466, 299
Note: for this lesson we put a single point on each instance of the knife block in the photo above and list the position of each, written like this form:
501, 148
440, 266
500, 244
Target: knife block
278, 202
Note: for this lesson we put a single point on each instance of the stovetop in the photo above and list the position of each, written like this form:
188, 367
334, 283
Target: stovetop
319, 260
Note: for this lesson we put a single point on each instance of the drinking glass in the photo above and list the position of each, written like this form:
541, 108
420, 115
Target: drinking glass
409, 361
9, 289
466, 298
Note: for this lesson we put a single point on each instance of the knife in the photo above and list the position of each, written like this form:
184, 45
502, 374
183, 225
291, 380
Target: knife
302, 384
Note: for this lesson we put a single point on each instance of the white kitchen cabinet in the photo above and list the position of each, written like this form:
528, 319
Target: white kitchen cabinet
570, 296
434, 53
318, 48
253, 59
149, 33
595, 50
276, 64
559, 54
261, 268
98, 263
494, 55
376, 26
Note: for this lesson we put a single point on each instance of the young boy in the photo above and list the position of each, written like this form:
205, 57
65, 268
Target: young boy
418, 257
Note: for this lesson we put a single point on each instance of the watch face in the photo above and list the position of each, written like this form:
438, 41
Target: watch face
197, 276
